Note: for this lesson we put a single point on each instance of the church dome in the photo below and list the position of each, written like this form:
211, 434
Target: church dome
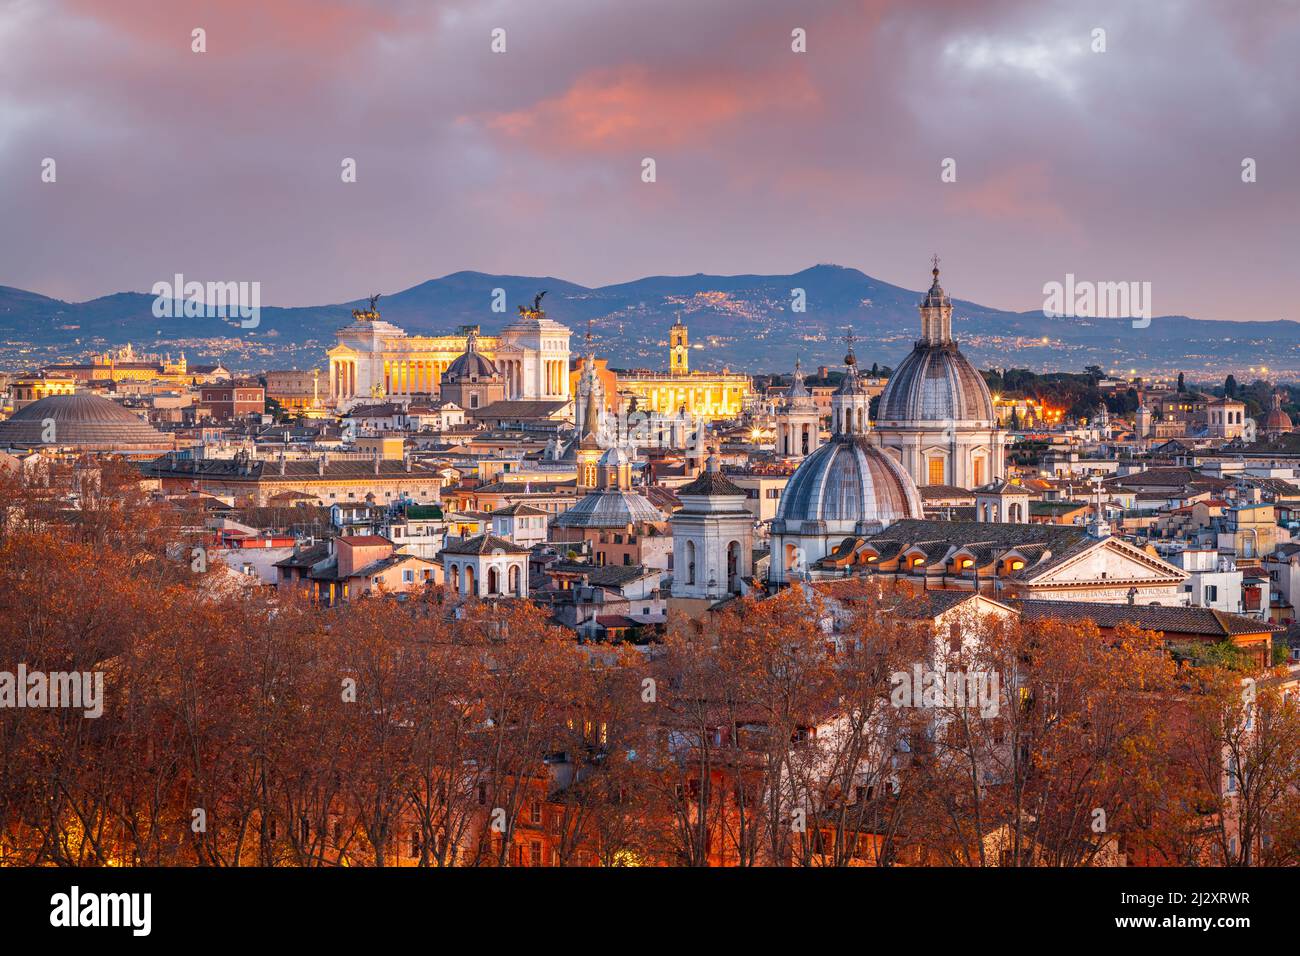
471, 365
847, 480
88, 422
610, 509
1276, 422
935, 383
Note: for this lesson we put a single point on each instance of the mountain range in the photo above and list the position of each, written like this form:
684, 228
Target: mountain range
745, 322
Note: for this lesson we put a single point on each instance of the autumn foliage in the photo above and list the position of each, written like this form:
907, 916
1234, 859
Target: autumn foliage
247, 728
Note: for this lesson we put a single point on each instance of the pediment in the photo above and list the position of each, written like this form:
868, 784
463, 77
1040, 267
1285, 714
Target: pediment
1109, 560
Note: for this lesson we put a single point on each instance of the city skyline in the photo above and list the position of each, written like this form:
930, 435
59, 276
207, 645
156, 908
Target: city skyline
530, 161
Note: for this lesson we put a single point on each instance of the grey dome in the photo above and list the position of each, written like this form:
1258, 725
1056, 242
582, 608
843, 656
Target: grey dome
935, 383
610, 509
470, 366
848, 480
82, 421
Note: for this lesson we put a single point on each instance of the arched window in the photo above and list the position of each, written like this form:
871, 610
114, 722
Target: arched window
469, 579
690, 562
514, 579
494, 581
733, 566
455, 578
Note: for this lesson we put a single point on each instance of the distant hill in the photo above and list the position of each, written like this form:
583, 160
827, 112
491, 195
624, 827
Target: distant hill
744, 322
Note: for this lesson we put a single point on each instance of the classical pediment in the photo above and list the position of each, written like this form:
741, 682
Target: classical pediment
1109, 560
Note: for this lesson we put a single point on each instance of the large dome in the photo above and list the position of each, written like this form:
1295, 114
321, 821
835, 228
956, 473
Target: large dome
935, 383
88, 422
610, 509
847, 480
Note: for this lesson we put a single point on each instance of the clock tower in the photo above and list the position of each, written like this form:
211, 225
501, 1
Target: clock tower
678, 349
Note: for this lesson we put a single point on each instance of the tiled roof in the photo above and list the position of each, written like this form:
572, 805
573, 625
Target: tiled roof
517, 509
609, 575
483, 544
944, 491
711, 483
306, 557
261, 469
519, 409
1177, 620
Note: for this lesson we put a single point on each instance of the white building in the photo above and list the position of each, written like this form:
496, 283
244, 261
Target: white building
485, 566
376, 359
713, 538
523, 524
1213, 579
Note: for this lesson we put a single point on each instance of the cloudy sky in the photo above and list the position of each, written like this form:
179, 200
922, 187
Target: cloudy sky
225, 165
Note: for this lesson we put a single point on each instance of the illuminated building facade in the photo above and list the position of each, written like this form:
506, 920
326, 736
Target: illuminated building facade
376, 359
707, 395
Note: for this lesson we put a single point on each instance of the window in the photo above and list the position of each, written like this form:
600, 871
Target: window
535, 812
934, 471
1211, 593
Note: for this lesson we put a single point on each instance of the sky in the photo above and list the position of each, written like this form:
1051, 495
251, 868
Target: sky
226, 165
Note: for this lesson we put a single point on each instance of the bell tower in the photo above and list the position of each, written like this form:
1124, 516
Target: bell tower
798, 423
713, 538
851, 403
678, 349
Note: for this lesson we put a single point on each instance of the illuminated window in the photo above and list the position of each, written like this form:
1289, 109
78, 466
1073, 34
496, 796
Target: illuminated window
967, 562
917, 562
1017, 565
935, 471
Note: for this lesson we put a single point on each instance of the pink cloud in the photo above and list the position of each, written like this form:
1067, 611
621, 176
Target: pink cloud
631, 107
1020, 193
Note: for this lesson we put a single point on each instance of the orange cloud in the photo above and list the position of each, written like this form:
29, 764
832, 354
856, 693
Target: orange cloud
629, 107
